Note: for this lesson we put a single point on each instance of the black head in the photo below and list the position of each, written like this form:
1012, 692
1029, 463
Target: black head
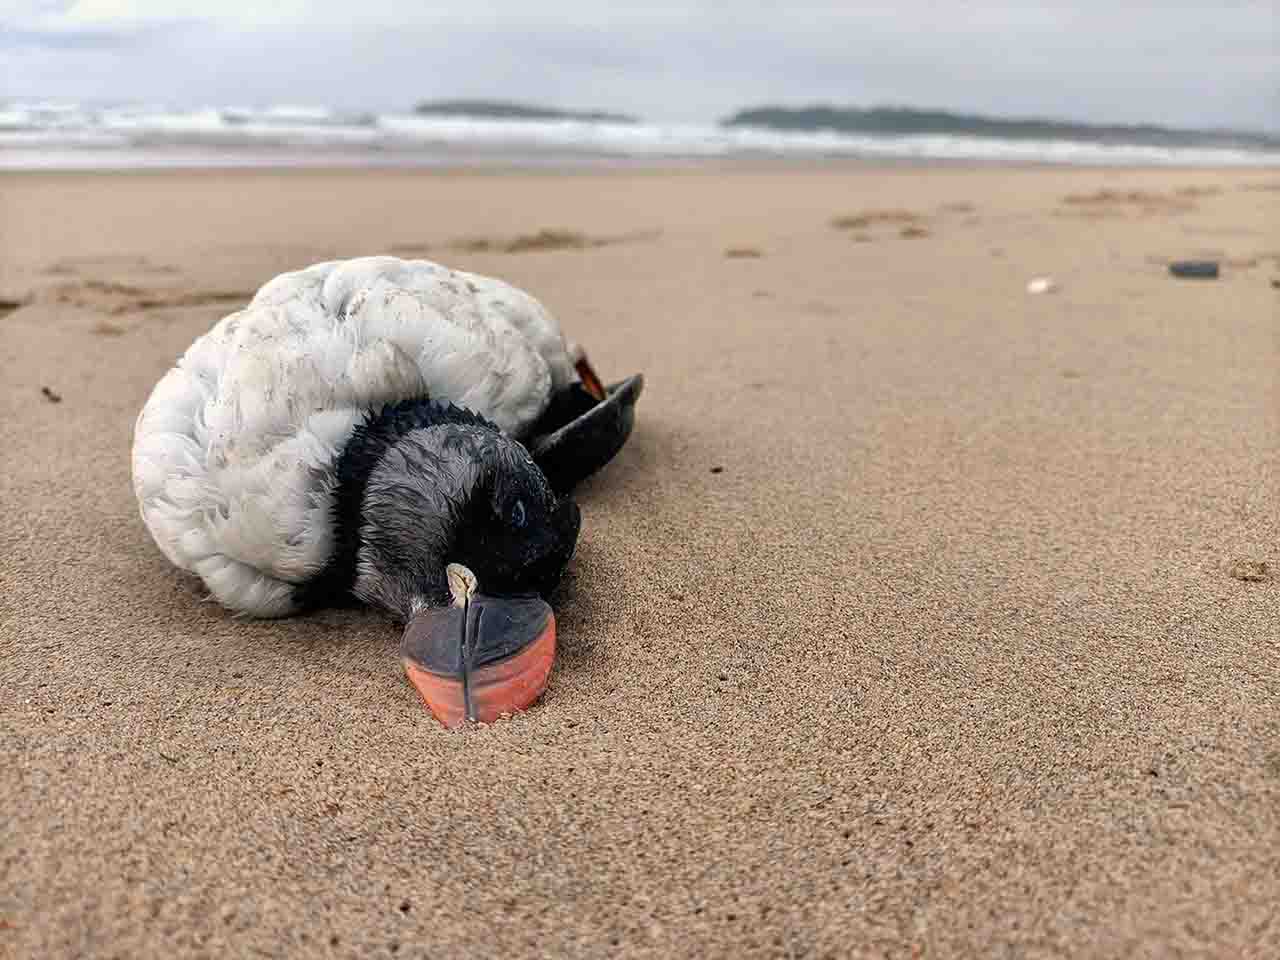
515, 535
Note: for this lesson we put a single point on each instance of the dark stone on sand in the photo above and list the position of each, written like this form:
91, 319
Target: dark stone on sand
1195, 269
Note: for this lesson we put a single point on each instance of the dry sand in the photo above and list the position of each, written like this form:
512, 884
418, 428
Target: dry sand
920, 617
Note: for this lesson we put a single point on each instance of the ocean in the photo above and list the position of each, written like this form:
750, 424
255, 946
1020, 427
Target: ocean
68, 135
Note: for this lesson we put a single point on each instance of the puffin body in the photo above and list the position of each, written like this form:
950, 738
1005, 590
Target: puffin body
362, 424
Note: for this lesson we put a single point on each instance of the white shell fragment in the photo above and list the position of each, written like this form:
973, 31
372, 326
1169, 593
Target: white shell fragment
1042, 285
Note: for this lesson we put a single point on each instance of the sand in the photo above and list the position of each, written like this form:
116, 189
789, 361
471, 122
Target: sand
920, 617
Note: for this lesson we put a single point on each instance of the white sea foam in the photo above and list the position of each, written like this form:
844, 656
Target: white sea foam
61, 134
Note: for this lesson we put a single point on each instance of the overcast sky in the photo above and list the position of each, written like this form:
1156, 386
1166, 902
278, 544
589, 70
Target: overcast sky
1177, 61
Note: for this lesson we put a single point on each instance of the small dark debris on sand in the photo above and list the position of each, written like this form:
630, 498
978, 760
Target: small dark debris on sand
50, 395
7, 306
1195, 269
1251, 571
913, 232
743, 253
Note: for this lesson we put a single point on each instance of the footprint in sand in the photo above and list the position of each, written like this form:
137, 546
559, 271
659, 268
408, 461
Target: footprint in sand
410, 249
547, 239
1194, 191
870, 218
105, 328
1119, 203
113, 263
820, 308
966, 212
117, 298
910, 225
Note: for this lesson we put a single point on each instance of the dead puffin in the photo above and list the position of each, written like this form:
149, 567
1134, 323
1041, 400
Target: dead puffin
394, 431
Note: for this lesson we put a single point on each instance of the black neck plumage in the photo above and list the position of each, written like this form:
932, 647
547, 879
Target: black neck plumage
369, 442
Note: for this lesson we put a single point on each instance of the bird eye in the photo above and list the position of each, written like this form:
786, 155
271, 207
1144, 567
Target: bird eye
517, 514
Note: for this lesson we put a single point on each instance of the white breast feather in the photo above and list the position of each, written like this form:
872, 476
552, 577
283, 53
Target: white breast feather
234, 450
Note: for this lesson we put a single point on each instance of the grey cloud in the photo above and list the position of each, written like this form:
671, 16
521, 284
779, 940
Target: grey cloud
37, 26
68, 39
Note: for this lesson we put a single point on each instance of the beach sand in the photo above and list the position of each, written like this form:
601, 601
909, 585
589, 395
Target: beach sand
920, 617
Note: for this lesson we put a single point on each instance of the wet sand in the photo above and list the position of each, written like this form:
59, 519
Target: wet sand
921, 616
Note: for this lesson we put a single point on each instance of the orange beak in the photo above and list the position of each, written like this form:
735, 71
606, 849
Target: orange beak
483, 660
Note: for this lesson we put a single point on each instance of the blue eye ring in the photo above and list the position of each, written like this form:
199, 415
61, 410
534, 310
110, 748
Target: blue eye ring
517, 514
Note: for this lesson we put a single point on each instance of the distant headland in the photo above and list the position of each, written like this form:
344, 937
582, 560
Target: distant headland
507, 110
912, 120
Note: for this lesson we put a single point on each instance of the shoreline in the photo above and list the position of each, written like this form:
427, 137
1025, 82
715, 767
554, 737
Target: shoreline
502, 165
93, 160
